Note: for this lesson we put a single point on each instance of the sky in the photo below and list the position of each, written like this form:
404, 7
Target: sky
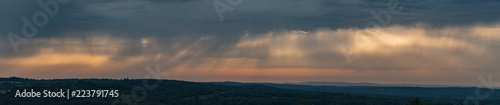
441, 42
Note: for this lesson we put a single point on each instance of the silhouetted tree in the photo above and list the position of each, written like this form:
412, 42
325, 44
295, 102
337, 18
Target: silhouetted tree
416, 101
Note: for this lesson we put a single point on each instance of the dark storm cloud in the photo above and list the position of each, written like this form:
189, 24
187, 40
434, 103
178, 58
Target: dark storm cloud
451, 12
166, 18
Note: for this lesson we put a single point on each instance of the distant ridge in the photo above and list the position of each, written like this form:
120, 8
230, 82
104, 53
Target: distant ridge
320, 83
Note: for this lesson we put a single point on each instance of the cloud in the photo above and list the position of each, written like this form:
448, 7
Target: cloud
403, 48
399, 47
173, 18
351, 2
306, 36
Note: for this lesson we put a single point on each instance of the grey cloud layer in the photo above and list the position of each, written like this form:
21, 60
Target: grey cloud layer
197, 17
